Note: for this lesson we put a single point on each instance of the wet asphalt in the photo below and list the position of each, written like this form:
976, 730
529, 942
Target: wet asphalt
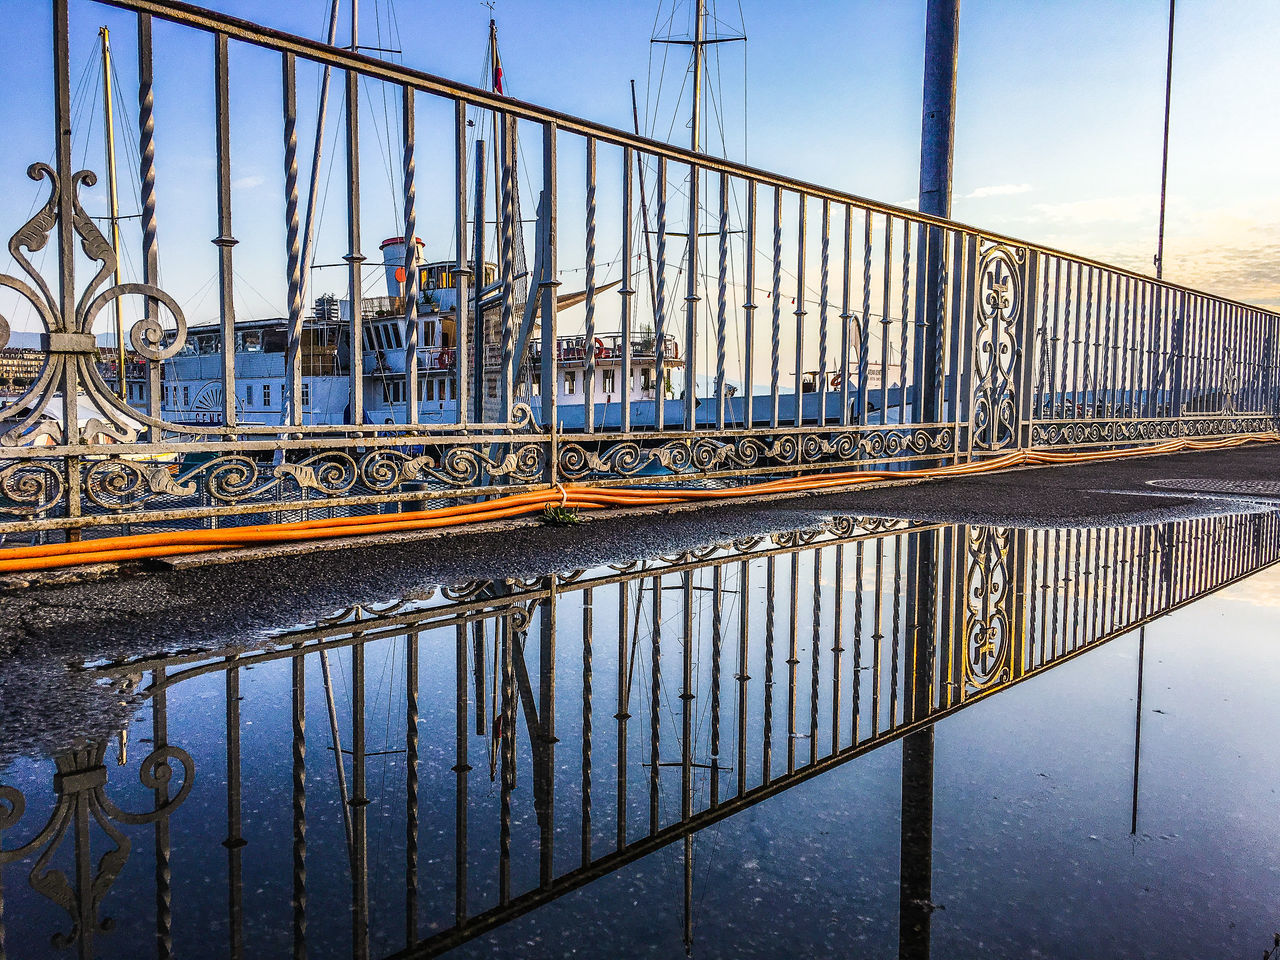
43, 628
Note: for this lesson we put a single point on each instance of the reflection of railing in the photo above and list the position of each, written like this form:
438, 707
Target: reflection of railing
984, 342
782, 657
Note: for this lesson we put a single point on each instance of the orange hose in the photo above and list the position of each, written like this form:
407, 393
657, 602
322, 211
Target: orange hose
574, 496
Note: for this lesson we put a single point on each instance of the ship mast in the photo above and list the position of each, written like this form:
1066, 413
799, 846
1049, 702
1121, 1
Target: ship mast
109, 136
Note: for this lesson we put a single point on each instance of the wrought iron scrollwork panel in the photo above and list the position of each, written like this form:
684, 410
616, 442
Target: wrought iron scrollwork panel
998, 320
699, 455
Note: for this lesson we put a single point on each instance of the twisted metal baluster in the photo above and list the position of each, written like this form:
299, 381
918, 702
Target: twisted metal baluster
864, 329
722, 301
824, 303
655, 703
857, 643
412, 278
589, 370
147, 198
164, 871
775, 355
292, 400
508, 189
717, 638
766, 758
902, 347
815, 646
586, 726
411, 739
660, 311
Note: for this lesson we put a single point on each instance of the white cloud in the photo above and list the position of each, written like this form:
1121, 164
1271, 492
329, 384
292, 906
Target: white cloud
248, 183
998, 190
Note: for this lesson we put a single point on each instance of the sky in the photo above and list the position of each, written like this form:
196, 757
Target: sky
1058, 122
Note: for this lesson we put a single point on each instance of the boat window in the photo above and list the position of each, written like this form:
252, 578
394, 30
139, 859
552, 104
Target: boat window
535, 385
251, 341
266, 394
248, 394
186, 396
429, 333
646, 378
207, 344
306, 394
393, 334
570, 382
392, 391
274, 341
608, 380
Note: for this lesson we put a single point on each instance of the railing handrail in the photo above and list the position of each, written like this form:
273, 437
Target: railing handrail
246, 31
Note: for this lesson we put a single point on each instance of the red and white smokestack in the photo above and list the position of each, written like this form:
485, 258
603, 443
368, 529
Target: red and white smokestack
393, 250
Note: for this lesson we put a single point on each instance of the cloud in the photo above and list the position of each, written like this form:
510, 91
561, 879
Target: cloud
248, 183
998, 190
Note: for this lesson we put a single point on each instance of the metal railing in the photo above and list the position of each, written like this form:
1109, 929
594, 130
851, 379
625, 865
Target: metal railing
499, 744
789, 327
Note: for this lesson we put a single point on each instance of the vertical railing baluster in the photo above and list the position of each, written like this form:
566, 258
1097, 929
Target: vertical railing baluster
589, 340
749, 311
354, 259
147, 207
824, 305
462, 269
905, 327
691, 299
412, 277
660, 309
846, 294
742, 676
885, 319
802, 222
864, 324
722, 300
225, 241
1106, 375
411, 739
506, 231
292, 399
775, 343
627, 293
549, 372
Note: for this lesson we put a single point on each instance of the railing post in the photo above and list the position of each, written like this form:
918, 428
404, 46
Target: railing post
547, 290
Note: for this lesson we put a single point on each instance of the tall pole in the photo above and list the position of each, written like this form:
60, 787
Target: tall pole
937, 140
110, 137
1164, 160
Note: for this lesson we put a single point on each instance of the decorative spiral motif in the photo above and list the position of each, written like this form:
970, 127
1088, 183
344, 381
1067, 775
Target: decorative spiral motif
231, 479
31, 487
987, 617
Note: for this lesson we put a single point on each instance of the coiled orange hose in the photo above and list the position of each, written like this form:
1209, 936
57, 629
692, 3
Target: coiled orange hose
571, 496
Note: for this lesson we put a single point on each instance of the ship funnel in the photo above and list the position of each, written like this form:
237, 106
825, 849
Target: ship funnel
393, 251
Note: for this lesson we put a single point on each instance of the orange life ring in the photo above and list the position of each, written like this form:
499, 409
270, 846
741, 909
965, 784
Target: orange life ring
837, 381
597, 347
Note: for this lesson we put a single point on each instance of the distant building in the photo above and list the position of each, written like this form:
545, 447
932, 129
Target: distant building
19, 366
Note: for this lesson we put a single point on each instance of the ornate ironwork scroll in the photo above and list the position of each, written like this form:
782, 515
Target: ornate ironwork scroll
998, 307
71, 350
988, 620
80, 785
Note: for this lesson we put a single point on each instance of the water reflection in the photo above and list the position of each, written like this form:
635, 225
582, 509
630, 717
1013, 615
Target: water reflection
399, 780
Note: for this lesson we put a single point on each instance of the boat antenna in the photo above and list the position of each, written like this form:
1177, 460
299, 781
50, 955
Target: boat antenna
1164, 163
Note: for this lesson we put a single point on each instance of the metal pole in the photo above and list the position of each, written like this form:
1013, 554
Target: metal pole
1164, 160
109, 135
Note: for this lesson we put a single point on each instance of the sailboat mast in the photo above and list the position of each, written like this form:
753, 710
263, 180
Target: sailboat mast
691, 291
110, 137
699, 41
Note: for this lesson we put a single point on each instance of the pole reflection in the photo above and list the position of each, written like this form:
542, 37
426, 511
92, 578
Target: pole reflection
512, 741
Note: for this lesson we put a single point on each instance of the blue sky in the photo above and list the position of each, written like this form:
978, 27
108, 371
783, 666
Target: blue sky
1057, 140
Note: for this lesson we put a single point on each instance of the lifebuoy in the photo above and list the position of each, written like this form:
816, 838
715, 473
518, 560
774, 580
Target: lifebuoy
597, 347
837, 381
